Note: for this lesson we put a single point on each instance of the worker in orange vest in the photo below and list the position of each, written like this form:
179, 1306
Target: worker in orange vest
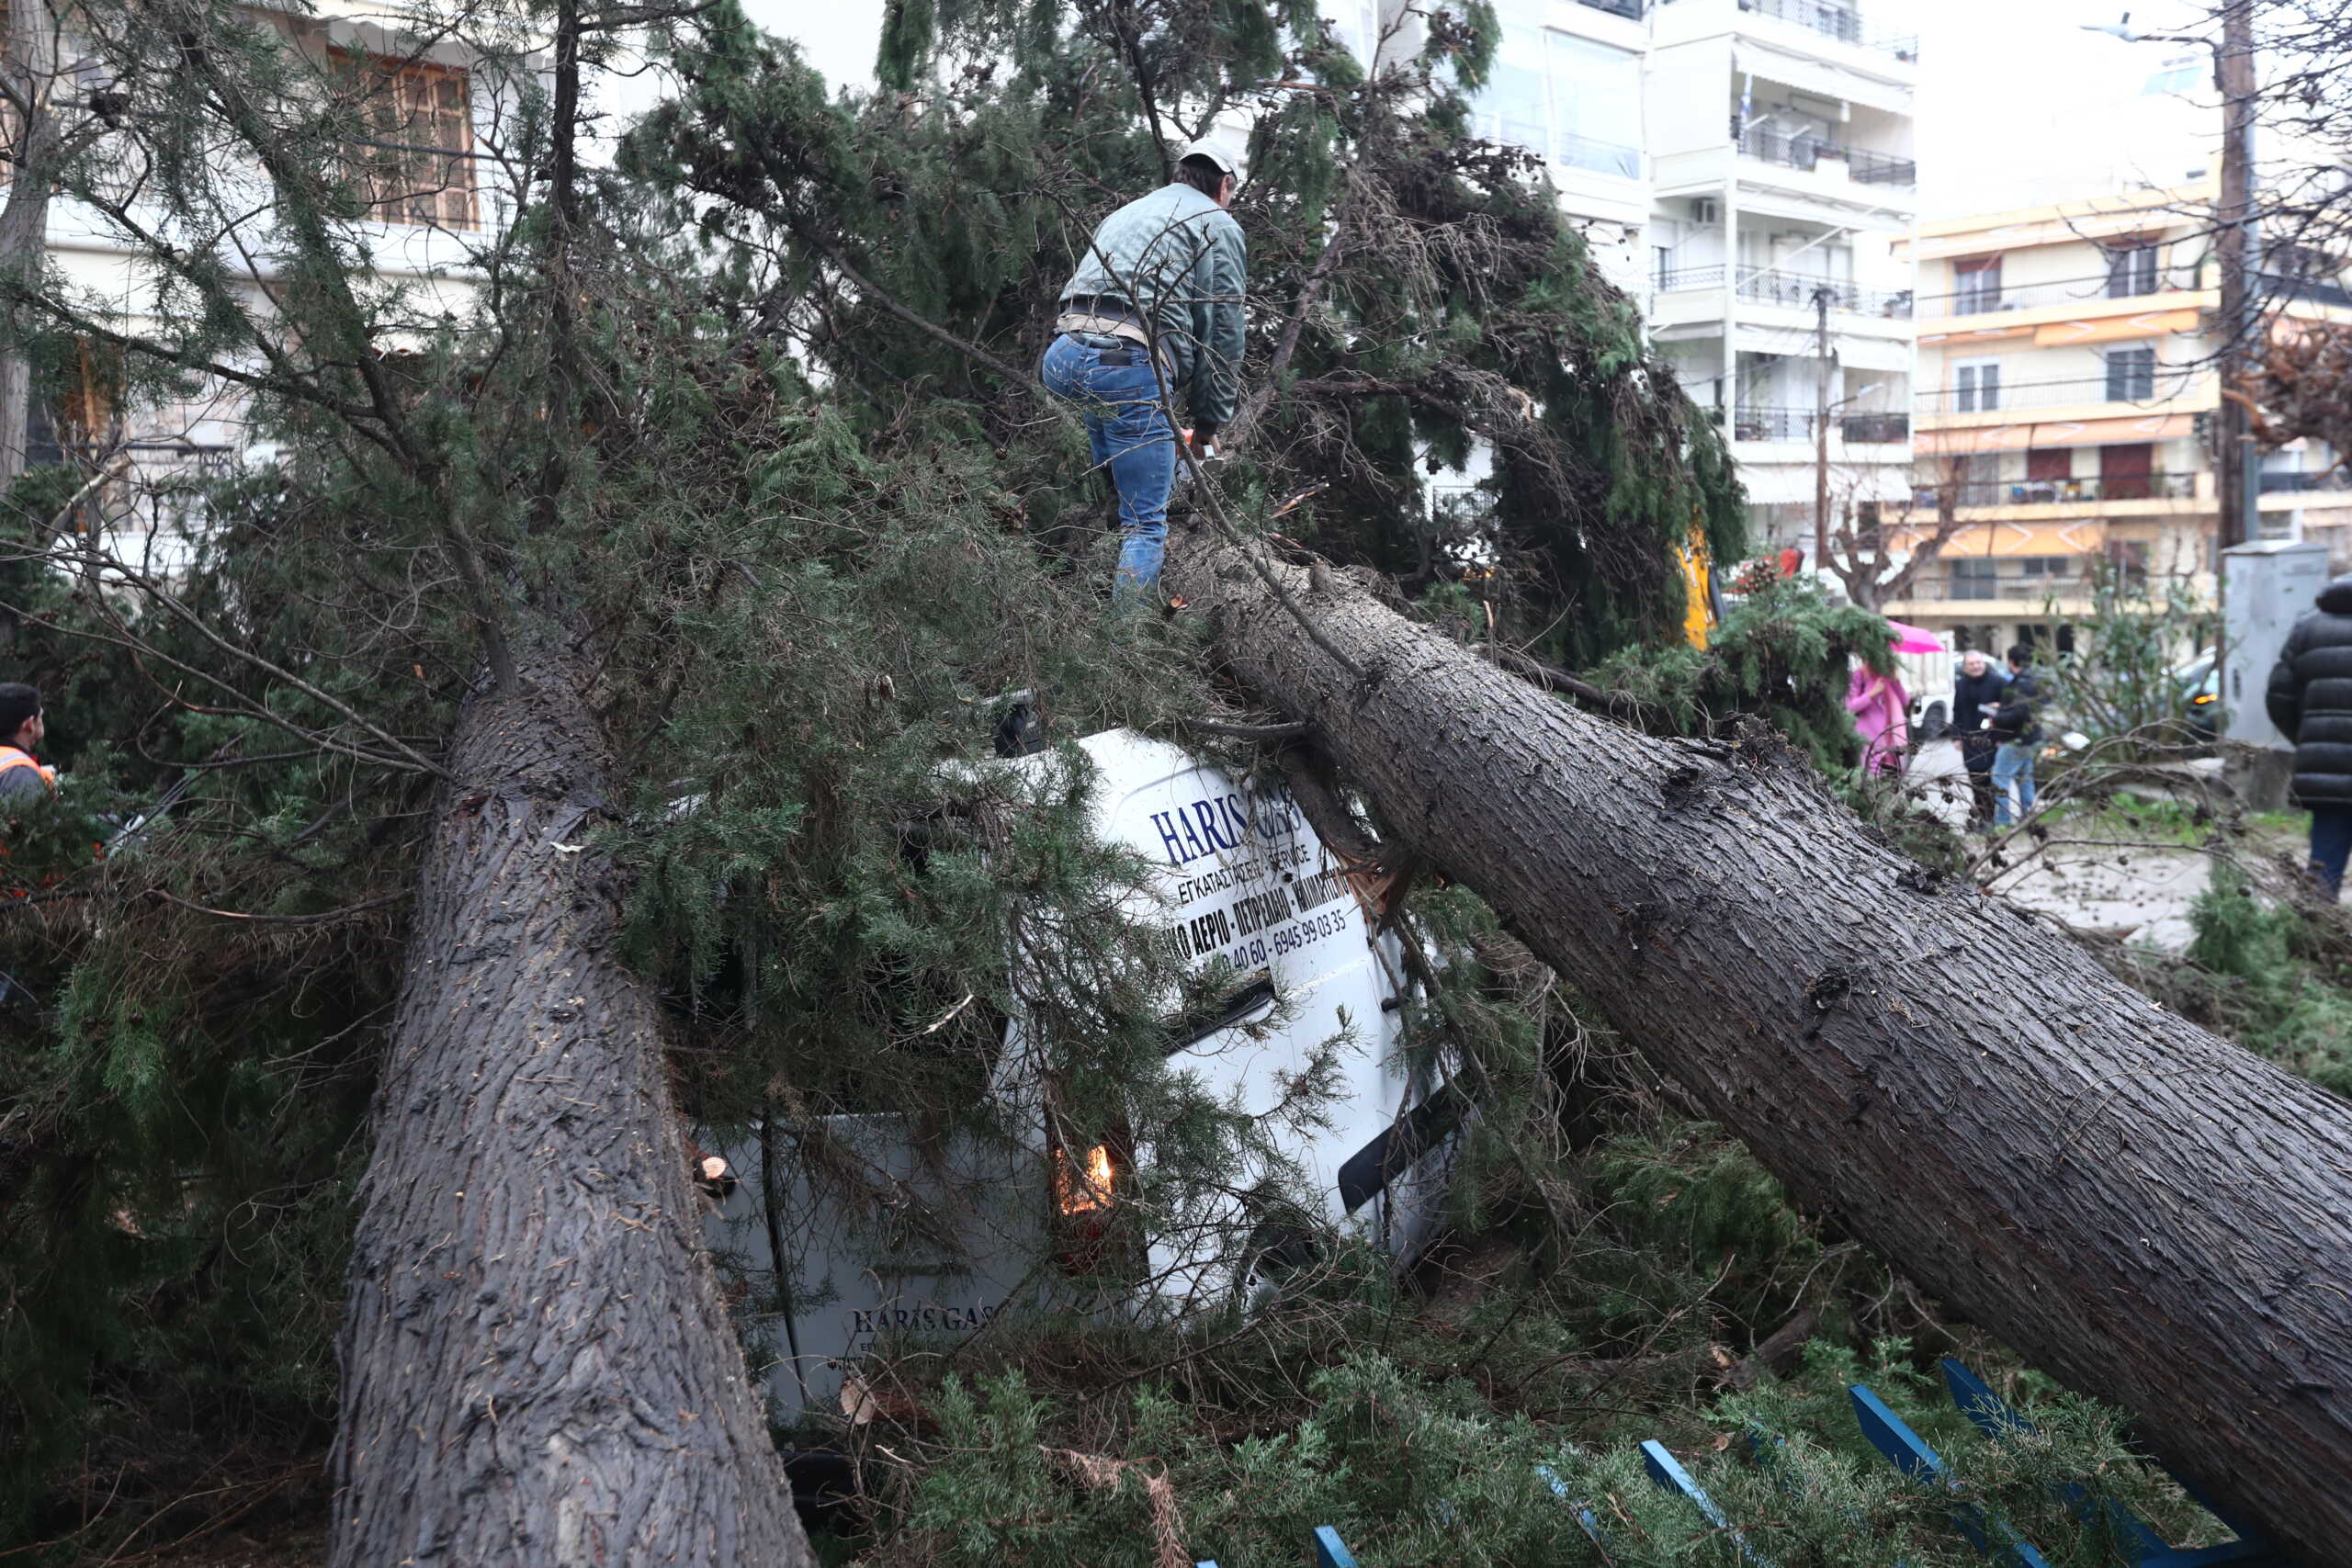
22, 776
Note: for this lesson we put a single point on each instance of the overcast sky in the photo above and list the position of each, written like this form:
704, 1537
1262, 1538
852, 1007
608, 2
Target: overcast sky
2017, 104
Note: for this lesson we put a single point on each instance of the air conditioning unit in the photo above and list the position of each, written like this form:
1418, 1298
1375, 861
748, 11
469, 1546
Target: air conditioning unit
1706, 210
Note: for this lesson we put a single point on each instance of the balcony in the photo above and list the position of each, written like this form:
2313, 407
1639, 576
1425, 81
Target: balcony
2128, 283
2119, 388
1770, 286
1797, 425
1979, 590
1807, 153
1840, 22
2326, 479
2280, 286
2058, 492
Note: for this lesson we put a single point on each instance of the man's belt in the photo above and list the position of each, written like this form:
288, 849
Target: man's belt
1121, 325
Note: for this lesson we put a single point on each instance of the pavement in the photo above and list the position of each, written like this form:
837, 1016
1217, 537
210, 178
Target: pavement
2138, 893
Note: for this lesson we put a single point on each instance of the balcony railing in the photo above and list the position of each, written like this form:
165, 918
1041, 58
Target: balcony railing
1804, 150
2059, 492
1840, 22
1797, 425
2287, 286
2321, 479
2032, 590
2126, 284
2119, 388
1601, 157
1770, 286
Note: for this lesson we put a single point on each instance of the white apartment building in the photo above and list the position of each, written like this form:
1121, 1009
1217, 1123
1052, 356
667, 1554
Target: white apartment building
432, 193
1744, 168
1780, 135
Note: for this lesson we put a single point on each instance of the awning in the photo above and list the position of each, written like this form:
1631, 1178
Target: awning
2080, 537
1873, 353
2108, 329
1980, 334
2053, 433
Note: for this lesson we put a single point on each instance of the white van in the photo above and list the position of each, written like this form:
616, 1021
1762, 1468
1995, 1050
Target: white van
961, 1232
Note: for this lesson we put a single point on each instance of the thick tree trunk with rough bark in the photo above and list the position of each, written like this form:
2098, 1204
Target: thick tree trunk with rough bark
30, 60
2149, 1212
535, 1365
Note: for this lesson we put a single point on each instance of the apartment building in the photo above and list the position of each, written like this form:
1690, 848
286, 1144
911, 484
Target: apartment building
1780, 133
1568, 83
1742, 167
430, 193
2066, 402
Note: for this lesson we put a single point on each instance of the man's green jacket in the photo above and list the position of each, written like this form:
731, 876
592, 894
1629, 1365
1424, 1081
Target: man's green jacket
1177, 259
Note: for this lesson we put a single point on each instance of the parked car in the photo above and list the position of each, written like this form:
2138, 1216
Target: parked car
2198, 682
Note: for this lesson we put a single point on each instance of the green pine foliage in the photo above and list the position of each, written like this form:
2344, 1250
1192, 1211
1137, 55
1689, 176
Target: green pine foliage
1781, 654
2272, 975
1461, 309
815, 551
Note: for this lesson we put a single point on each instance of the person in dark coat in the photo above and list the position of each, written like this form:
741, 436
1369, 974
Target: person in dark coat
2016, 736
1975, 693
2310, 702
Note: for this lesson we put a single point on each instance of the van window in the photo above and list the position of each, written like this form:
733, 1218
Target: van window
1249, 995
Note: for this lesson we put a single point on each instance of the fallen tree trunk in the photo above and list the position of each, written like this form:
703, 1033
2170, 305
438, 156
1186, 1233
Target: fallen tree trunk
535, 1365
2145, 1211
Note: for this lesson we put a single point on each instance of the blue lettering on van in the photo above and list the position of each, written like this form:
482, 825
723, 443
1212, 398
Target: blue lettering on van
1202, 828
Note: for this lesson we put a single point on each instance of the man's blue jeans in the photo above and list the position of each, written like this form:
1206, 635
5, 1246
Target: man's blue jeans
1127, 423
2013, 764
2331, 846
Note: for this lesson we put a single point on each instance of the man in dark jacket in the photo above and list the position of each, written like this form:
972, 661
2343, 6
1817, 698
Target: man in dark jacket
1154, 307
1975, 693
2310, 702
2016, 736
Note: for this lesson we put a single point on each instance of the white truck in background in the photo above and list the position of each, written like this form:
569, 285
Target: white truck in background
967, 1229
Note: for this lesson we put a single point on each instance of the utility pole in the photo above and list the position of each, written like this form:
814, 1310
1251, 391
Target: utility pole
2237, 468
1821, 428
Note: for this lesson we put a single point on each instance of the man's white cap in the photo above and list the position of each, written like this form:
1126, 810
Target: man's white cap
1225, 162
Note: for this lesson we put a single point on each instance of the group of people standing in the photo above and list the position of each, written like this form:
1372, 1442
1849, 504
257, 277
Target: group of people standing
1993, 715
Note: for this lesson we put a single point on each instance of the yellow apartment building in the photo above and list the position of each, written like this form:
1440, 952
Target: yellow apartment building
2063, 411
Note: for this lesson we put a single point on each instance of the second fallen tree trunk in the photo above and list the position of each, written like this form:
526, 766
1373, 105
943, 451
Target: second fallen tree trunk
2143, 1209
537, 1366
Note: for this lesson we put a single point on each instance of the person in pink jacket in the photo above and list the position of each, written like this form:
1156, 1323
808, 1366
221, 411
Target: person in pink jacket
1881, 711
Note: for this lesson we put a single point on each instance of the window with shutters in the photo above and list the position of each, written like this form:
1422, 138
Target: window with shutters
1976, 286
2130, 375
1973, 577
413, 164
1976, 386
2131, 268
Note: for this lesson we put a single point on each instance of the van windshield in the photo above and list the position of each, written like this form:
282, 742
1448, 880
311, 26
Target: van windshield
1246, 997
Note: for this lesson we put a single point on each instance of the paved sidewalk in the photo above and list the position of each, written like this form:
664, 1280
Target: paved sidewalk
2141, 894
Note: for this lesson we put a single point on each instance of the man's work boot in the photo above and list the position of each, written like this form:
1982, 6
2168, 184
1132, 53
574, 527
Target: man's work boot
2328, 888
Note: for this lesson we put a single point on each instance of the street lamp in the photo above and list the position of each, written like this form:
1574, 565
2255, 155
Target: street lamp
2239, 471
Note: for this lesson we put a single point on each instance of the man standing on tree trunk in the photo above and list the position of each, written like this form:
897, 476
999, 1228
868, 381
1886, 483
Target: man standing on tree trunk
1154, 306
1974, 695
2310, 700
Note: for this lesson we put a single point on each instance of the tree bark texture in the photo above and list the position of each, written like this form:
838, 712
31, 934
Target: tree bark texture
2145, 1211
537, 1368
30, 60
